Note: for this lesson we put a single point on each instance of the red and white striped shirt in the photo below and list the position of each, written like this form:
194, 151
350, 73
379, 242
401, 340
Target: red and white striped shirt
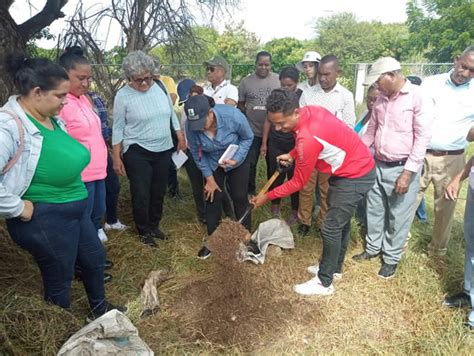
325, 143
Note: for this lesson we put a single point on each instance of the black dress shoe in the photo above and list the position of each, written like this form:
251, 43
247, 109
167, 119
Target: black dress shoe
158, 234
364, 256
148, 240
460, 300
303, 229
108, 264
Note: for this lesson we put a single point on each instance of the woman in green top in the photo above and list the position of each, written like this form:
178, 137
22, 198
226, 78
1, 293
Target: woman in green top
42, 195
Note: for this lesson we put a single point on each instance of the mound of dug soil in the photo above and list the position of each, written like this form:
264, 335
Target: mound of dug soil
236, 306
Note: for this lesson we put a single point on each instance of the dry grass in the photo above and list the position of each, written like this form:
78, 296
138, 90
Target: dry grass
366, 315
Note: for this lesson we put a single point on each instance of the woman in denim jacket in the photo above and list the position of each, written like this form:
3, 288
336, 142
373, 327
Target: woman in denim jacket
210, 131
42, 195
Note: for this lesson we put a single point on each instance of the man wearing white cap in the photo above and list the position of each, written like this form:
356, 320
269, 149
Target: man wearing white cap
398, 131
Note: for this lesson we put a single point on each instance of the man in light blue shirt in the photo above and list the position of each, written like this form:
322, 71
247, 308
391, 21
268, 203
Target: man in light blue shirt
451, 97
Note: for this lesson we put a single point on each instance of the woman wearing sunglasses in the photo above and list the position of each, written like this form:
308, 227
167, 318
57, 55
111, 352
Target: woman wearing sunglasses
142, 143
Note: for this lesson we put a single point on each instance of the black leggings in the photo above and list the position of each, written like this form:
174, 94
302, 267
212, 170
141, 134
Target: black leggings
276, 148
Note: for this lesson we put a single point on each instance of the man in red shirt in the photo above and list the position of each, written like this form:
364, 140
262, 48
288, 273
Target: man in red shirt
325, 143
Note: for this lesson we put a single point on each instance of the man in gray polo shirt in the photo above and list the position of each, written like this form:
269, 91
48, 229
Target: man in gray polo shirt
253, 92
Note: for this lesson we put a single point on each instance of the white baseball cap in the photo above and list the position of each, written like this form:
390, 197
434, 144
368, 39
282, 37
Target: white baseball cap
381, 66
310, 56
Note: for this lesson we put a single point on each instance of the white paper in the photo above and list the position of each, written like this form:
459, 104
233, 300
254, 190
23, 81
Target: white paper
229, 153
179, 158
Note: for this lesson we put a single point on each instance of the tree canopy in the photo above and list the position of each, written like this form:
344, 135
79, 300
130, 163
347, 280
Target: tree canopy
440, 29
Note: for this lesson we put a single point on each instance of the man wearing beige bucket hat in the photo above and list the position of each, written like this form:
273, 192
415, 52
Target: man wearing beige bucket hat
398, 132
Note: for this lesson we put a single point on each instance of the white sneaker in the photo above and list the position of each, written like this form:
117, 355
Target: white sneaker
102, 235
115, 226
313, 287
315, 269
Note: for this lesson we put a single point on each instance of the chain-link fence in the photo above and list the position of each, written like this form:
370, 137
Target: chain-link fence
109, 77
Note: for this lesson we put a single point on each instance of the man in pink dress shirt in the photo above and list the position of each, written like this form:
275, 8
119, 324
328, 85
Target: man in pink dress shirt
398, 132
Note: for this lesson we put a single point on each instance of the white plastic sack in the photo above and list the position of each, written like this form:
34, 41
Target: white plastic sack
111, 334
271, 232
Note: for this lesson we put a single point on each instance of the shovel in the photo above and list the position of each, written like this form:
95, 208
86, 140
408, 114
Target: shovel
252, 246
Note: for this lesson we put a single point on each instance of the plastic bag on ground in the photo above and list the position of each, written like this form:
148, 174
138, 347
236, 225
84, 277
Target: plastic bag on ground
271, 232
111, 334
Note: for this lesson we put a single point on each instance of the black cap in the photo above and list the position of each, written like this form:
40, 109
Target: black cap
196, 109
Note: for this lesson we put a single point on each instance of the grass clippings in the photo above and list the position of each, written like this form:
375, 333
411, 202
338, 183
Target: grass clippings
206, 308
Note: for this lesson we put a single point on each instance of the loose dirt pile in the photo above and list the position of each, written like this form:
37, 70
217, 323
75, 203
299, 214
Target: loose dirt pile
237, 305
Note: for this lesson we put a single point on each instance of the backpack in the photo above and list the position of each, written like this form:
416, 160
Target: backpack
19, 150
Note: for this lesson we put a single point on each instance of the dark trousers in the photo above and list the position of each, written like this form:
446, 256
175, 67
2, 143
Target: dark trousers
112, 191
343, 196
173, 185
96, 201
197, 185
252, 156
276, 148
147, 173
237, 183
56, 236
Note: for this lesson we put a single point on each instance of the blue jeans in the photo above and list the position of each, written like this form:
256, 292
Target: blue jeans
56, 236
421, 212
96, 201
469, 250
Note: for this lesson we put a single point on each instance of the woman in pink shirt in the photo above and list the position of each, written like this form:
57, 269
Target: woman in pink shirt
84, 125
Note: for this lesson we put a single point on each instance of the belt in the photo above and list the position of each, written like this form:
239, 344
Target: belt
394, 163
445, 153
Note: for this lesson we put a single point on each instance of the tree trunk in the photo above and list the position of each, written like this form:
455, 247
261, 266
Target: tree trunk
10, 41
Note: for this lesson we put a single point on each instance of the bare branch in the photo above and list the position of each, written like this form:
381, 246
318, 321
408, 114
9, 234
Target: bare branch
51, 11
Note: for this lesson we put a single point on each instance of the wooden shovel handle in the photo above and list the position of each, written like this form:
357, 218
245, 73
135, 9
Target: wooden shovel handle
262, 191
269, 183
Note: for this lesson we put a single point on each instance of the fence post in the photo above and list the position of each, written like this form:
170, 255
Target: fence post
361, 70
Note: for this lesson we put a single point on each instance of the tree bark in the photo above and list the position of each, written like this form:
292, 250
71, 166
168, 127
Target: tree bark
10, 42
13, 37
51, 12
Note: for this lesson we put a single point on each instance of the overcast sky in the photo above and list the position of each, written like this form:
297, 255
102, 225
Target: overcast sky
267, 18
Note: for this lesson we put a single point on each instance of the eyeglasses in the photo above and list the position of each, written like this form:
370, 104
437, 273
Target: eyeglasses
146, 79
210, 69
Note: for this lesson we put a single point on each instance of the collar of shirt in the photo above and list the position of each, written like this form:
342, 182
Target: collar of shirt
336, 89
219, 87
406, 88
450, 82
303, 112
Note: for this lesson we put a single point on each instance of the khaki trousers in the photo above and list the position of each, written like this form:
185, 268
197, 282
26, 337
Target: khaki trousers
439, 170
306, 198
